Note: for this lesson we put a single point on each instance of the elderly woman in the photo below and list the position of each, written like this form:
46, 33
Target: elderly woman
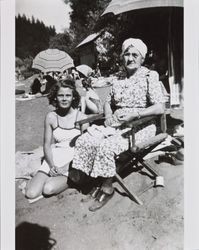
52, 176
136, 93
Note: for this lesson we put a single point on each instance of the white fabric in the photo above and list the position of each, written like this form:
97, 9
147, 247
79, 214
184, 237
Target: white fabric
61, 157
137, 43
63, 137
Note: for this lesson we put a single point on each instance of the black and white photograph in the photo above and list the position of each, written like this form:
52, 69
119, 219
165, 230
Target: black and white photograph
98, 100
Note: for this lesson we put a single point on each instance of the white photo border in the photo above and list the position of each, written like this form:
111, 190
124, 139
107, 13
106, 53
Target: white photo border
7, 124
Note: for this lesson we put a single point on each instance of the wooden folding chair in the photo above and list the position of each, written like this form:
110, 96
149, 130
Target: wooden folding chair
136, 152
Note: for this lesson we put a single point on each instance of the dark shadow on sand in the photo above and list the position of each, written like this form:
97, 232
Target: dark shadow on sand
33, 237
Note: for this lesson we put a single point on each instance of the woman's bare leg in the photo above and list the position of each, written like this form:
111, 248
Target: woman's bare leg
55, 185
107, 185
35, 185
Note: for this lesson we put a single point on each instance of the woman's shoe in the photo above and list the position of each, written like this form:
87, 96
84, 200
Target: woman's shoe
101, 200
175, 159
92, 195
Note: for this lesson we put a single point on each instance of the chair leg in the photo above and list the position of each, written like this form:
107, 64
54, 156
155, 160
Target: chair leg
149, 168
133, 196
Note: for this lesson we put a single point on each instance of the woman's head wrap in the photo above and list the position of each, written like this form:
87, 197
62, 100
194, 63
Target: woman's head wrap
137, 43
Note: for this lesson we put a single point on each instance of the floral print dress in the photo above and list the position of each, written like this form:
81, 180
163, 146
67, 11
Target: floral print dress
96, 156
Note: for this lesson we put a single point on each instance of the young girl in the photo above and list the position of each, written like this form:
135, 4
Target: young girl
51, 178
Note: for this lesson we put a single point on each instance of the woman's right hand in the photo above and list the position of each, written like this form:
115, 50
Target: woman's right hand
108, 121
54, 171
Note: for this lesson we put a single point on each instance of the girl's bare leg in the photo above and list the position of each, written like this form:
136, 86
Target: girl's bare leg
55, 185
35, 185
107, 185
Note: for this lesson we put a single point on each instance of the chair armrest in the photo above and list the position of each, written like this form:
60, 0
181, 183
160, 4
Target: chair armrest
91, 118
141, 121
146, 119
135, 123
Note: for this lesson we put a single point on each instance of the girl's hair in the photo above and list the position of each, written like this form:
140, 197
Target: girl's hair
52, 96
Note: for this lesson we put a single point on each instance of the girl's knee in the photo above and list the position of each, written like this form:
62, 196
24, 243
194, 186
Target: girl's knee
48, 189
31, 193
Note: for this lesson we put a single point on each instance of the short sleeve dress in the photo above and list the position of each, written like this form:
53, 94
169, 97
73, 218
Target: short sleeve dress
96, 157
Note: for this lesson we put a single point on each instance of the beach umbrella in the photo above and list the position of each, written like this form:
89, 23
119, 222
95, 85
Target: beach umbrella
117, 7
121, 6
52, 60
84, 69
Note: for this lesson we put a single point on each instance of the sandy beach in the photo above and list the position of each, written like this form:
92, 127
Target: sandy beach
63, 222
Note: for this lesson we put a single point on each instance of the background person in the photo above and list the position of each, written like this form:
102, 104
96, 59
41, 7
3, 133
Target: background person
90, 103
35, 87
50, 81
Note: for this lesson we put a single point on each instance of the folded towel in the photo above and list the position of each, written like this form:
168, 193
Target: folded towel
27, 163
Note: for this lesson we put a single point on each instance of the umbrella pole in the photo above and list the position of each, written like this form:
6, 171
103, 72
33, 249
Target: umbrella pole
170, 48
171, 69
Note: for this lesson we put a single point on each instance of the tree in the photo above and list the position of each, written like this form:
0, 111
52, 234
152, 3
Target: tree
32, 36
18, 62
84, 17
61, 41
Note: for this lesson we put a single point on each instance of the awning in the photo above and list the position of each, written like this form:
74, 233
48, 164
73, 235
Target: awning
88, 39
120, 6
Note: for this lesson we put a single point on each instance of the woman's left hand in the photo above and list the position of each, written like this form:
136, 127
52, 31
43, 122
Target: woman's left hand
127, 118
54, 171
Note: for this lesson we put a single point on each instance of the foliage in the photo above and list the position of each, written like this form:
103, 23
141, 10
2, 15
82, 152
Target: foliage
31, 36
84, 17
18, 62
104, 46
26, 73
23, 68
28, 63
61, 41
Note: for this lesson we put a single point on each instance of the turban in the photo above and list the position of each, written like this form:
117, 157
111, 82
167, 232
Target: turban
137, 43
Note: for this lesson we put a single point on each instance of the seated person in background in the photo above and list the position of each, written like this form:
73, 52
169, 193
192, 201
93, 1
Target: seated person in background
90, 103
74, 74
52, 176
35, 87
50, 81
136, 93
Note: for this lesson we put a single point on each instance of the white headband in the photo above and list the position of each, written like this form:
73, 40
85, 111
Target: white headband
137, 43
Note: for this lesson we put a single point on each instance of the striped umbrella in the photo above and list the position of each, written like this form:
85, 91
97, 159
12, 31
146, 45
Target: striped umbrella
52, 60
